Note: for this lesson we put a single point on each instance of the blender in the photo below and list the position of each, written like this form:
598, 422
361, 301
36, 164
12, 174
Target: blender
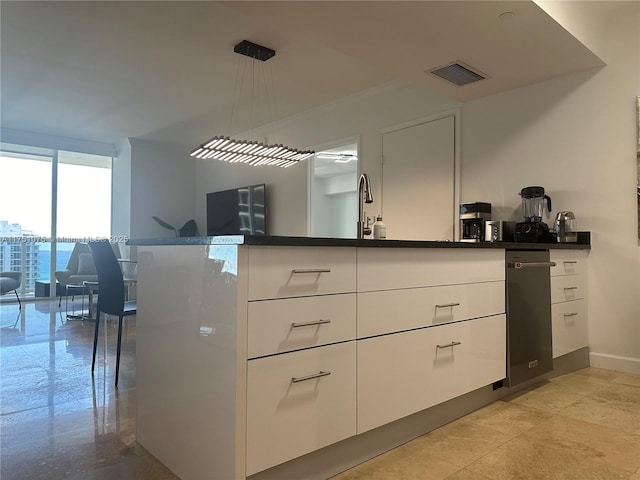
533, 229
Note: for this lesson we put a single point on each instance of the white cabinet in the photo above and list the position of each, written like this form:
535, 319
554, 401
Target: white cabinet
304, 361
568, 287
396, 268
301, 351
283, 325
251, 355
569, 326
406, 372
430, 327
299, 402
281, 272
568, 262
396, 310
568, 301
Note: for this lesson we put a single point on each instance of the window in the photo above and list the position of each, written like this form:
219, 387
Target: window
49, 199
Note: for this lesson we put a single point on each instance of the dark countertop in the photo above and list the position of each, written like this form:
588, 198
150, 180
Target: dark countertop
346, 242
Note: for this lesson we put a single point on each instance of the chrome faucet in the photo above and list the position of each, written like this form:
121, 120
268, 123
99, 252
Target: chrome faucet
364, 196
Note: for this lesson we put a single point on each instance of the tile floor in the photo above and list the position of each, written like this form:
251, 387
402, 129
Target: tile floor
580, 426
56, 422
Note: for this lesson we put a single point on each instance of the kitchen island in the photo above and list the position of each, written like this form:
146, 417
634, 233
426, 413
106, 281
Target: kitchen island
288, 357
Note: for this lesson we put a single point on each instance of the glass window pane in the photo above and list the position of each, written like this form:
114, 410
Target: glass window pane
25, 196
84, 195
25, 216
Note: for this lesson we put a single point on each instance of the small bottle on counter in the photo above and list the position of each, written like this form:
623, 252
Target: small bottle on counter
379, 229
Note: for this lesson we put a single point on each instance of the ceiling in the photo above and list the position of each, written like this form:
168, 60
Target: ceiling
166, 71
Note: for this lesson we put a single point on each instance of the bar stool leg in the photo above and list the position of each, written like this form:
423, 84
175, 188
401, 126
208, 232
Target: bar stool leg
119, 346
95, 340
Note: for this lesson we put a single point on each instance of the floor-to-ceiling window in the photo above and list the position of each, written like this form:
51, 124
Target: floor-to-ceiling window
49, 200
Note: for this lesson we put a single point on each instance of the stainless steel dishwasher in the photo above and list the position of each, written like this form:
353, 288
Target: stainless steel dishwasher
528, 297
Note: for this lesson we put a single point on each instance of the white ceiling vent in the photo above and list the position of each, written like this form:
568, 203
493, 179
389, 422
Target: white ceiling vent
458, 73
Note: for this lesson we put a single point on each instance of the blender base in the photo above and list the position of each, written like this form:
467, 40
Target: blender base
533, 232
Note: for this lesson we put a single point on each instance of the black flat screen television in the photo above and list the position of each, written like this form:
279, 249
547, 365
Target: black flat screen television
239, 211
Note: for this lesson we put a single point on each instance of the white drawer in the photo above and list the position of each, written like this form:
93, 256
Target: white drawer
281, 272
568, 287
286, 419
395, 268
569, 262
406, 372
395, 310
277, 326
569, 327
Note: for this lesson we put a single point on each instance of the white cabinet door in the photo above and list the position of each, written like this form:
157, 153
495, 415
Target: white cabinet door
569, 327
396, 310
282, 272
278, 326
418, 181
298, 402
403, 373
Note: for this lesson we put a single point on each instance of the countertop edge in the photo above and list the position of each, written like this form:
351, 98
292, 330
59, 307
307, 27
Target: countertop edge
346, 242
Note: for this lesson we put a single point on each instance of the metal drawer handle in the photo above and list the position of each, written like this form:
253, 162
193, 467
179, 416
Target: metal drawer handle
310, 377
452, 344
309, 324
311, 270
570, 288
531, 264
573, 314
445, 305
570, 261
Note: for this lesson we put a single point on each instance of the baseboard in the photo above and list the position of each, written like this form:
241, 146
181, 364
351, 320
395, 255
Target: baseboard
615, 362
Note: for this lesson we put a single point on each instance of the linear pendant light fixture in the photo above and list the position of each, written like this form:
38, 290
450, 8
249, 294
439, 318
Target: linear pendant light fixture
254, 153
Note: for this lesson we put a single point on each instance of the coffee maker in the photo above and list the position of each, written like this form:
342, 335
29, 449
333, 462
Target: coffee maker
533, 229
472, 218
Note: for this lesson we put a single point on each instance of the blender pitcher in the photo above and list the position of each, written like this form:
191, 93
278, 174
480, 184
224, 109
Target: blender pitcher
533, 199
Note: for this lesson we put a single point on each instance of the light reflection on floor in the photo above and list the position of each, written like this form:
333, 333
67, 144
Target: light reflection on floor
57, 421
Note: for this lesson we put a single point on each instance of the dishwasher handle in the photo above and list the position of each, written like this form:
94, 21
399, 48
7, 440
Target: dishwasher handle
531, 264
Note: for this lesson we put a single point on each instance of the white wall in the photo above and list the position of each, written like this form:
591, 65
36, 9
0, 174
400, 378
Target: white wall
582, 19
575, 136
162, 184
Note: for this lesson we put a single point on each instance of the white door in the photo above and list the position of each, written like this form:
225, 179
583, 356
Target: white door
418, 181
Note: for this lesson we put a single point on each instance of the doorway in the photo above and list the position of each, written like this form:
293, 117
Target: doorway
333, 211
